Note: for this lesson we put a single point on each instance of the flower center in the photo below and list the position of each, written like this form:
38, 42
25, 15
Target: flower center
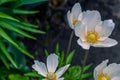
103, 77
92, 37
74, 21
51, 76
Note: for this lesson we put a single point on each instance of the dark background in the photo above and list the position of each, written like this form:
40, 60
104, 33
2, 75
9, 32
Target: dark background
52, 19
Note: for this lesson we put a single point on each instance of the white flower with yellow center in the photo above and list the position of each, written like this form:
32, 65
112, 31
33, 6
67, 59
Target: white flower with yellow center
104, 72
50, 72
73, 15
94, 32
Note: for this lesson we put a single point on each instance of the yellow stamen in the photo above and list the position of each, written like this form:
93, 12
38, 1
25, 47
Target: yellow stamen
103, 76
92, 37
51, 76
74, 21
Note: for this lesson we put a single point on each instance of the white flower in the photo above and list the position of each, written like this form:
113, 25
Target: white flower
50, 72
94, 32
73, 15
104, 72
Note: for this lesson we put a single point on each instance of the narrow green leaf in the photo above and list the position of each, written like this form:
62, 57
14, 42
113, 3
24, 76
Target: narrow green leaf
73, 73
5, 36
3, 15
25, 2
46, 53
10, 27
5, 1
69, 57
87, 67
4, 60
61, 60
86, 75
32, 74
19, 58
31, 1
18, 11
57, 50
24, 26
4, 50
29, 25
17, 77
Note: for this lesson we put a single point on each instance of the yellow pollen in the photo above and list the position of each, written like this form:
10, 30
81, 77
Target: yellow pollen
74, 21
92, 37
51, 76
103, 76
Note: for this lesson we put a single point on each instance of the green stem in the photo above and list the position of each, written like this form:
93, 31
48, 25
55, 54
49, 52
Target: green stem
69, 44
84, 63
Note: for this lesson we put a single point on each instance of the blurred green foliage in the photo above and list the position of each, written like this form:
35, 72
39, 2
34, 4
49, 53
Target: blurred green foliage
12, 28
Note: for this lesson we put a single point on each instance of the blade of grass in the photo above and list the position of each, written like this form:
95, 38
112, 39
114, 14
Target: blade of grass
4, 50
23, 26
3, 15
12, 28
10, 40
18, 11
4, 60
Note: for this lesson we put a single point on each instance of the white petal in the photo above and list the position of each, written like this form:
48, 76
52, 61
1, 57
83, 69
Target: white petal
91, 19
99, 68
40, 68
84, 45
52, 62
112, 70
116, 78
76, 10
60, 79
60, 72
106, 43
70, 19
105, 29
80, 31
80, 17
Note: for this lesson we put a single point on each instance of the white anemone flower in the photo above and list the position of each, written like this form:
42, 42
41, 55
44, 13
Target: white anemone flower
73, 15
50, 72
104, 72
94, 32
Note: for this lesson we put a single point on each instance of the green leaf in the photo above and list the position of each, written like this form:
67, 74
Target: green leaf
46, 53
12, 28
5, 36
57, 51
69, 57
73, 73
4, 60
61, 60
28, 25
25, 2
19, 58
31, 1
32, 74
4, 50
87, 67
86, 75
3, 15
5, 1
24, 26
18, 11
17, 77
